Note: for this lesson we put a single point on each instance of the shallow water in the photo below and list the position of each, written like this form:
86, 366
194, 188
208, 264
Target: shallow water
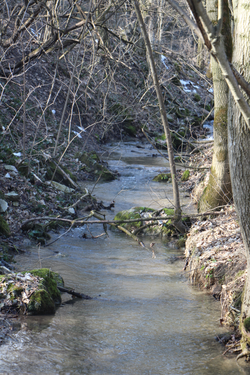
145, 319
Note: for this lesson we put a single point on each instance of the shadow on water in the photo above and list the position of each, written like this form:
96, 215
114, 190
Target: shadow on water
145, 319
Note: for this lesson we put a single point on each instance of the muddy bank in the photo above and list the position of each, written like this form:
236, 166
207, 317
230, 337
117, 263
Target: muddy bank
216, 261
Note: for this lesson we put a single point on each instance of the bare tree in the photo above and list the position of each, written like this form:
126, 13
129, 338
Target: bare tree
177, 207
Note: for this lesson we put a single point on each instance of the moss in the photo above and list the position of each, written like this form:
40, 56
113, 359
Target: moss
92, 164
52, 170
213, 198
4, 227
133, 213
168, 211
185, 175
129, 129
162, 177
41, 303
221, 155
50, 281
197, 98
246, 324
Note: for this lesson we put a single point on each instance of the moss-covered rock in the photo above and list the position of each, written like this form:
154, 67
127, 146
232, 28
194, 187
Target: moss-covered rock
93, 165
4, 227
161, 227
50, 281
53, 172
133, 213
162, 177
41, 303
33, 293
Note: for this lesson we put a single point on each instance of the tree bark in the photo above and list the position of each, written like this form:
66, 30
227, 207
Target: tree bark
218, 191
239, 152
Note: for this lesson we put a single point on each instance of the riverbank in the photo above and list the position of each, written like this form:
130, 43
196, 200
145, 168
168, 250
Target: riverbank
215, 259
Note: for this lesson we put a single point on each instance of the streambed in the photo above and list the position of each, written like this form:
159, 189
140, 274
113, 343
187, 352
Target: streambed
146, 318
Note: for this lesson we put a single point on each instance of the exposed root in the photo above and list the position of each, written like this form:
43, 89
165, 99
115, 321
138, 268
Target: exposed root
245, 353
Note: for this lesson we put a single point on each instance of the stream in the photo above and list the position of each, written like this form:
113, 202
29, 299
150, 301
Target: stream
146, 319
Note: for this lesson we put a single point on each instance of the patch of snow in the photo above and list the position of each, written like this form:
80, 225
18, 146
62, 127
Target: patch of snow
18, 154
81, 128
163, 60
188, 86
209, 126
78, 134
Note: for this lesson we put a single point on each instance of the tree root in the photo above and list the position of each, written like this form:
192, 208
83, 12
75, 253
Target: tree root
245, 353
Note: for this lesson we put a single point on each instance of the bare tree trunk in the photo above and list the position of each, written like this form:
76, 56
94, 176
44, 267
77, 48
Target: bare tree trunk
218, 191
177, 221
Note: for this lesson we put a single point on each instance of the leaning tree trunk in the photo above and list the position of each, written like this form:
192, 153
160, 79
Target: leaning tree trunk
218, 191
239, 154
177, 207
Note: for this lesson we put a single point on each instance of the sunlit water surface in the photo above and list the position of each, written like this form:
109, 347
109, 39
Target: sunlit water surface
145, 317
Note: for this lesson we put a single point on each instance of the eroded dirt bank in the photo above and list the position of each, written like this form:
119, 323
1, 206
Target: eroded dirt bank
215, 258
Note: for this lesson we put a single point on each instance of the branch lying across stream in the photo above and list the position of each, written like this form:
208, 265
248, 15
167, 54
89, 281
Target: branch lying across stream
73, 293
84, 221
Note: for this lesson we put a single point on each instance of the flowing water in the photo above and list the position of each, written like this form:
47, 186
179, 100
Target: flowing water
145, 319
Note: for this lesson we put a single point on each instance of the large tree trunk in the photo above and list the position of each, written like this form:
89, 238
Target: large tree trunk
218, 191
239, 154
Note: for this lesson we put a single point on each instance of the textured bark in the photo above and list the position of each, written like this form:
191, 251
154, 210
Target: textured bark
239, 150
218, 191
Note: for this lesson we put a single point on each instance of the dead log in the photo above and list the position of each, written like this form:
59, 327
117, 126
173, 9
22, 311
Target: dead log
73, 293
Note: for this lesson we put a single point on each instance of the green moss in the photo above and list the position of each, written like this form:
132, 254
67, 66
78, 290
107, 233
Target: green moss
133, 213
162, 177
49, 282
4, 227
246, 324
168, 211
41, 303
185, 175
197, 98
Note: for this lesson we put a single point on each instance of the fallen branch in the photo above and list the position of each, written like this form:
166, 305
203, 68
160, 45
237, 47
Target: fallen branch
82, 222
73, 293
